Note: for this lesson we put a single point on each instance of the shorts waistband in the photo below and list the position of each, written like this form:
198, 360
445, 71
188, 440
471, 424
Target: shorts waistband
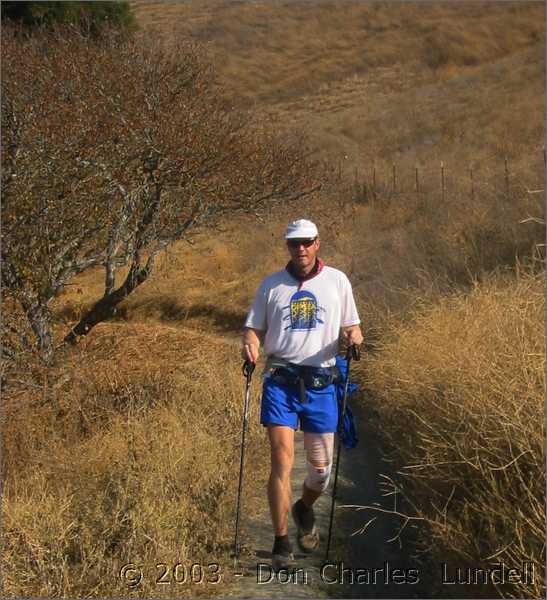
274, 362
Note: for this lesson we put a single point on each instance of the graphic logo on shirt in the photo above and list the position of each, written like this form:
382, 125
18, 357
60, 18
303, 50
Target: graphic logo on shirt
303, 311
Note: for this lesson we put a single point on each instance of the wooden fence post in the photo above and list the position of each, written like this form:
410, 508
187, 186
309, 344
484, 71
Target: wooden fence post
472, 183
442, 180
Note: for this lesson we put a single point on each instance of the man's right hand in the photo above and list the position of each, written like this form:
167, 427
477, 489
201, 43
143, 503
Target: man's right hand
251, 344
250, 352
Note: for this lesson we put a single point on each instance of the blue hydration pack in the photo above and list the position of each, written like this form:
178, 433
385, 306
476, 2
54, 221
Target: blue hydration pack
348, 436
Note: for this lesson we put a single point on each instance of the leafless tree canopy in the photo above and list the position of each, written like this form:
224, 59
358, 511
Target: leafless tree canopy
113, 150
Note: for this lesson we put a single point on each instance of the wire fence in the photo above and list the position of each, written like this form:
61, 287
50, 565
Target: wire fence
381, 180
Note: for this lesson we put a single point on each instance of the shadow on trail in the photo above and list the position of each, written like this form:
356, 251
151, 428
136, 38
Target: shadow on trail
369, 565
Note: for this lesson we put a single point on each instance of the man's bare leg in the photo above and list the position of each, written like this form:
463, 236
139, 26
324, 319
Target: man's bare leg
279, 484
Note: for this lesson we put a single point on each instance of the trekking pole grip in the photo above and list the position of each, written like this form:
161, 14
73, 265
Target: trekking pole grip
248, 368
354, 352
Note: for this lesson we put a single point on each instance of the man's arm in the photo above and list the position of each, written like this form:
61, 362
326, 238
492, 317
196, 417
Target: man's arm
251, 343
353, 335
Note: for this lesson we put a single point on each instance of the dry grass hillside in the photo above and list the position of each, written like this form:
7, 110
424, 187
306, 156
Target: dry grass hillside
118, 459
363, 78
114, 455
269, 51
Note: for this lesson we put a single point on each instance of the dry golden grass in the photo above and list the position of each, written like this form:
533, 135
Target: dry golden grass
404, 82
267, 51
128, 453
462, 388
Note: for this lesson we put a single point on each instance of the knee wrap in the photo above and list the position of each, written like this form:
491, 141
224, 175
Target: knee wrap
317, 478
319, 449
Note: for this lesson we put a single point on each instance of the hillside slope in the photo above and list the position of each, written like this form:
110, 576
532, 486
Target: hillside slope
270, 51
395, 82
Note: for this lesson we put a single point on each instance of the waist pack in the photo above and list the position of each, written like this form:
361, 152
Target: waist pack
313, 378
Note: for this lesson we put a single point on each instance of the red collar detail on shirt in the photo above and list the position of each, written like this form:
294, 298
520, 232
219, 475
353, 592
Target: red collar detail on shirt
317, 268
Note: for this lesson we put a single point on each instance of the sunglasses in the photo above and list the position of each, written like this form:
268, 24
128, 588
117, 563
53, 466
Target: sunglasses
305, 243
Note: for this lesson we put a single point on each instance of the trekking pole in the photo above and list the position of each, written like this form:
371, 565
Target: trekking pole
353, 352
248, 368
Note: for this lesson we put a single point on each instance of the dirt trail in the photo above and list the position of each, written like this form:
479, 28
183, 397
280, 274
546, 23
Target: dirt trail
368, 559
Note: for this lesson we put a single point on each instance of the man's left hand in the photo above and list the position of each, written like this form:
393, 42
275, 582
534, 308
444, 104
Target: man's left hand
353, 335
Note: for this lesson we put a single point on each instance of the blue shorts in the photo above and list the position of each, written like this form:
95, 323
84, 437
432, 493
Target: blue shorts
281, 406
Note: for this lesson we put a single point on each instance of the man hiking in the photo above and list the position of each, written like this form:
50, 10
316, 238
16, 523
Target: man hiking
298, 314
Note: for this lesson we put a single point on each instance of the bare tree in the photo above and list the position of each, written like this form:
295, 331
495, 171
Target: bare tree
113, 150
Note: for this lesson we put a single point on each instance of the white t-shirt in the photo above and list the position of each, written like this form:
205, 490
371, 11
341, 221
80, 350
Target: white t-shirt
302, 320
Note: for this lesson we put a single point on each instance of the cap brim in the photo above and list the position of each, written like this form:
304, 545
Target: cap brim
301, 236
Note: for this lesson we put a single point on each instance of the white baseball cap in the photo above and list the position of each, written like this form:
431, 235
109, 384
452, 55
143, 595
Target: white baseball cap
301, 229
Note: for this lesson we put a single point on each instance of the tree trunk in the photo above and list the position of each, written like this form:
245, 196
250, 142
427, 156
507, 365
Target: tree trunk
105, 308
39, 317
